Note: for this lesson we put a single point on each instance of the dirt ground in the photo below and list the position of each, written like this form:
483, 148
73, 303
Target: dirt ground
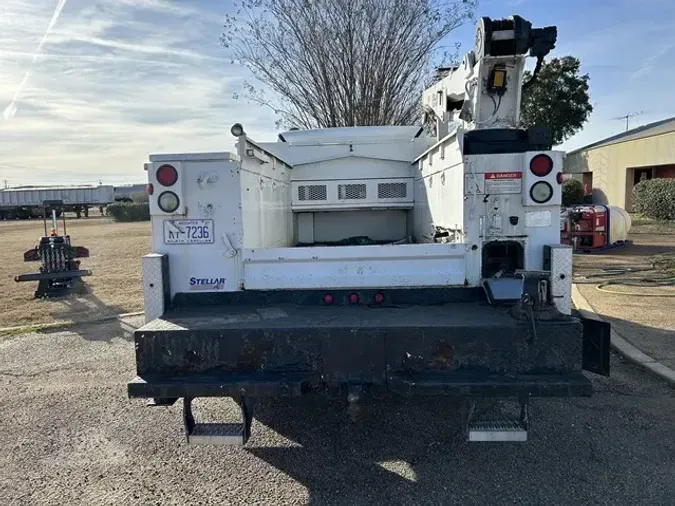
115, 286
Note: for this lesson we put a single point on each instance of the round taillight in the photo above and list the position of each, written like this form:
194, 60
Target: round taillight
328, 299
541, 165
379, 298
168, 202
353, 298
167, 175
541, 192
149, 189
560, 178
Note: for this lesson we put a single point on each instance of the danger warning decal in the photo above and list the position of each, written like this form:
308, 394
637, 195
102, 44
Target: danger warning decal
503, 182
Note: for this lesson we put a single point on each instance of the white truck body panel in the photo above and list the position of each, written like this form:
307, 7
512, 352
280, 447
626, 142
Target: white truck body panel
261, 226
209, 181
387, 266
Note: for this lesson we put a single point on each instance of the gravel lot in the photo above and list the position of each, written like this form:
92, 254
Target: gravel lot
71, 436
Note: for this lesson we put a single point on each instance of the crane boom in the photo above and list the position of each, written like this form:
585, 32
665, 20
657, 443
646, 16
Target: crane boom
484, 91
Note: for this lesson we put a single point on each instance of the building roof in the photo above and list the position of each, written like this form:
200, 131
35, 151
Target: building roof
642, 132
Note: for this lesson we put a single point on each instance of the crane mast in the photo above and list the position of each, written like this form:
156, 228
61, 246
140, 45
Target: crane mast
484, 91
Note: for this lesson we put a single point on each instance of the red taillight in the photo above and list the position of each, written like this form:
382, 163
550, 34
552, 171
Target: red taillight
353, 298
328, 299
149, 189
379, 298
560, 178
167, 175
541, 165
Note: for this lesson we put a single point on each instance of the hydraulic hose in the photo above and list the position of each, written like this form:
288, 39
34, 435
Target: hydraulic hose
642, 282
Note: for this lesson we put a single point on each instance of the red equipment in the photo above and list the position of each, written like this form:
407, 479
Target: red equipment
60, 271
587, 228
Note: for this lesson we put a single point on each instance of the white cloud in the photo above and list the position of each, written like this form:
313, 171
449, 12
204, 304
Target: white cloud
10, 110
115, 81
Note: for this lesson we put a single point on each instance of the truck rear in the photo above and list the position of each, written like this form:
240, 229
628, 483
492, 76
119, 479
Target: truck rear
353, 270
368, 260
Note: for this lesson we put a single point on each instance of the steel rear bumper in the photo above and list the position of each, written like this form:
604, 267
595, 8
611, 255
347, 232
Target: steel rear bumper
450, 349
432, 384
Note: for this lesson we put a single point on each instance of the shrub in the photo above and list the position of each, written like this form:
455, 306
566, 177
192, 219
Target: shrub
572, 192
129, 211
655, 198
140, 197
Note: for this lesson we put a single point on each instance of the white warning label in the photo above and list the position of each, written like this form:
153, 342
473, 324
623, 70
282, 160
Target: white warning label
503, 182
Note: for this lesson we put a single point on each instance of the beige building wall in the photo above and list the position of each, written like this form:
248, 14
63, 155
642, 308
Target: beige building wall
610, 165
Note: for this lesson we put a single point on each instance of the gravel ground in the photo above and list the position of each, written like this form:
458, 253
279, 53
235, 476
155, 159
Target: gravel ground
71, 436
647, 322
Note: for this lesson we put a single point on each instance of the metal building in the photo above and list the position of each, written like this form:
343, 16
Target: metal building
610, 168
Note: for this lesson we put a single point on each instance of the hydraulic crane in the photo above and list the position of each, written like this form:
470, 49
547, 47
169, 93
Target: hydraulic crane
484, 91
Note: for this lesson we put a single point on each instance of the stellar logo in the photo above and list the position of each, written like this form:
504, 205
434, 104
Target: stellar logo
207, 283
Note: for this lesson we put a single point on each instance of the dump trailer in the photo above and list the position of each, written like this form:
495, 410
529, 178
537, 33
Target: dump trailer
127, 192
23, 203
371, 260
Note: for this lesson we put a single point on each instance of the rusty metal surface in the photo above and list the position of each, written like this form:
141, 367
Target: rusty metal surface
492, 385
355, 344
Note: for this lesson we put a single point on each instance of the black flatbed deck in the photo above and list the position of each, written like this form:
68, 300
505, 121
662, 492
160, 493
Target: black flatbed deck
291, 316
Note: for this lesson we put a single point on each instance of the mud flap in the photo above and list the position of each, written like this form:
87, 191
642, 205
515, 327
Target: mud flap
596, 343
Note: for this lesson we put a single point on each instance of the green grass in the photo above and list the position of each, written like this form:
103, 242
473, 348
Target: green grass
17, 331
643, 225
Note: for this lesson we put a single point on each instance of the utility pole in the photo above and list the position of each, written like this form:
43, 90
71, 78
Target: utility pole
6, 184
628, 116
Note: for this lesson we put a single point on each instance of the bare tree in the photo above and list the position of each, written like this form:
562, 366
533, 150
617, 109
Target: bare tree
342, 62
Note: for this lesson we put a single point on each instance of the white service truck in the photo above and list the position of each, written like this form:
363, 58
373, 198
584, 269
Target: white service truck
371, 259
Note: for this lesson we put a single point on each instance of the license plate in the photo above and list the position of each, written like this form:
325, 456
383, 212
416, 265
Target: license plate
188, 231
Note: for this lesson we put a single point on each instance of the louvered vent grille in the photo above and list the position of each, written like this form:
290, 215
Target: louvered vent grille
391, 191
351, 191
312, 192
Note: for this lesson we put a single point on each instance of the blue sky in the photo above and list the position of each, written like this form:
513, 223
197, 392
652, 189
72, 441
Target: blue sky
88, 88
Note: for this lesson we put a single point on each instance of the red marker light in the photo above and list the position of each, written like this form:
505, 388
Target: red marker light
328, 299
560, 178
167, 175
353, 298
379, 298
149, 189
541, 165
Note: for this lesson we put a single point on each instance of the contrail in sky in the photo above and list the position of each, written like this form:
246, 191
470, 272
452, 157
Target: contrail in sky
10, 110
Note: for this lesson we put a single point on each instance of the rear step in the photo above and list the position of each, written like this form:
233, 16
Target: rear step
497, 430
217, 433
233, 434
503, 428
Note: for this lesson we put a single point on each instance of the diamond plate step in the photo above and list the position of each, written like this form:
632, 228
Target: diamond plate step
505, 429
217, 433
